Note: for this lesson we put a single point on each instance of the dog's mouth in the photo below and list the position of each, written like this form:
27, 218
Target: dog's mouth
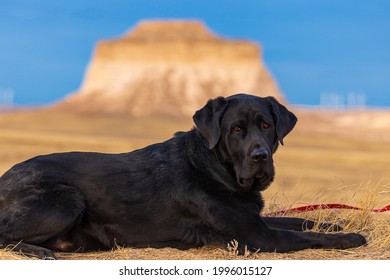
259, 182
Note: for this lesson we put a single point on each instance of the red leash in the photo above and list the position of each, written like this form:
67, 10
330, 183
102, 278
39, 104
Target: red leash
314, 207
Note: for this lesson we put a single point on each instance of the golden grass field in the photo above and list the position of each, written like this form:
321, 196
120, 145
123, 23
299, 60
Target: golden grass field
331, 165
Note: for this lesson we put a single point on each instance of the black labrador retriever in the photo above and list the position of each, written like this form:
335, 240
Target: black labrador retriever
200, 187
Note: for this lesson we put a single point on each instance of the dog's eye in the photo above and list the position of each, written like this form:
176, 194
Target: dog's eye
236, 129
266, 125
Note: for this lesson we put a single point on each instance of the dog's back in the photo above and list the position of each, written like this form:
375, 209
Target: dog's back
87, 201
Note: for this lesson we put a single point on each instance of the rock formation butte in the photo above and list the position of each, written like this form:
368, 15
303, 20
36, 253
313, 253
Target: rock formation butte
169, 67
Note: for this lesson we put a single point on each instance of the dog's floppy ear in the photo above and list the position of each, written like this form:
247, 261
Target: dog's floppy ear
284, 119
208, 120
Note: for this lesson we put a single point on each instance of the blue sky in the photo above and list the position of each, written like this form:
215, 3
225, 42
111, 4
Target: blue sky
310, 47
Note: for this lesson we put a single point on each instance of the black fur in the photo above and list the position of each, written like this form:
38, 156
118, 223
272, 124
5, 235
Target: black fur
200, 187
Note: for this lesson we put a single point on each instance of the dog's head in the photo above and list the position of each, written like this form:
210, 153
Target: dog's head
245, 131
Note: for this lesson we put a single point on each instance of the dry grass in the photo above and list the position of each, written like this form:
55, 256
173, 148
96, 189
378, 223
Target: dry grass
319, 168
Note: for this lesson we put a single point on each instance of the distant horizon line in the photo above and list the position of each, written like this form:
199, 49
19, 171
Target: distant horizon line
343, 108
15, 106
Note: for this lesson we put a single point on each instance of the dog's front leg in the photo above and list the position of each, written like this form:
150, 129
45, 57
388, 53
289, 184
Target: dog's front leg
280, 240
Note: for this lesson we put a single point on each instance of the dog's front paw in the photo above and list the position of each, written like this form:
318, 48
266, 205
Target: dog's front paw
349, 240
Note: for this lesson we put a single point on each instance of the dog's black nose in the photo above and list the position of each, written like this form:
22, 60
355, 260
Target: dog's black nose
259, 154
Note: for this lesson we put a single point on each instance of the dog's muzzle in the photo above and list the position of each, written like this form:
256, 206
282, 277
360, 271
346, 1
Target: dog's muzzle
257, 171
259, 182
